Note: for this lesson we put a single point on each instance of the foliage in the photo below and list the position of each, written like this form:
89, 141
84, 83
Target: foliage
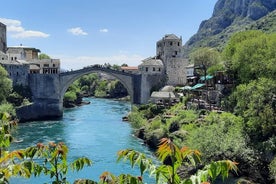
7, 108
21, 95
205, 56
251, 55
5, 84
43, 56
272, 168
256, 102
101, 89
221, 136
136, 118
171, 158
69, 96
214, 68
266, 24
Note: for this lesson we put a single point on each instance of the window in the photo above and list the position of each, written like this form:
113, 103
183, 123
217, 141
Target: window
147, 69
15, 58
178, 44
153, 69
54, 65
171, 43
175, 52
159, 69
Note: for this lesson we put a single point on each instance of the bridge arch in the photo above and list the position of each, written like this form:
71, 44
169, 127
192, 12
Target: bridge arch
128, 80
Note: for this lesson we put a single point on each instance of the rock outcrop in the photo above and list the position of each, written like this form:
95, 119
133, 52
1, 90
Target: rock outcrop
228, 17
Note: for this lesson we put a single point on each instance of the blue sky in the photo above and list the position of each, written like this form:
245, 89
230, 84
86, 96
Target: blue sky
87, 32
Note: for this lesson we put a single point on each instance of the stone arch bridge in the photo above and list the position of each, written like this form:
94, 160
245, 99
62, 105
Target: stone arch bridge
132, 82
48, 90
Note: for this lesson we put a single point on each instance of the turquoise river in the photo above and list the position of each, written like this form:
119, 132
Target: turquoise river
95, 131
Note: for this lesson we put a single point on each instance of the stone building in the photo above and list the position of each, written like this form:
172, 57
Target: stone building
151, 66
30, 55
21, 61
169, 49
3, 38
22, 53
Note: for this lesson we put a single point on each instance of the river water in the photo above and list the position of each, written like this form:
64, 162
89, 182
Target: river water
95, 131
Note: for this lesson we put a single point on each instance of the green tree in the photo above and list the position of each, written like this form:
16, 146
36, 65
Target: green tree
43, 56
205, 56
250, 55
5, 85
256, 102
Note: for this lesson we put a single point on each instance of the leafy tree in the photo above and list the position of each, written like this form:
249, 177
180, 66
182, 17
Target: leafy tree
70, 96
256, 102
205, 56
116, 67
221, 136
43, 56
7, 108
5, 84
250, 55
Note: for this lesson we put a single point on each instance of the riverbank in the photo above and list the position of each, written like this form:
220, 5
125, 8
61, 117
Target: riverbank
216, 135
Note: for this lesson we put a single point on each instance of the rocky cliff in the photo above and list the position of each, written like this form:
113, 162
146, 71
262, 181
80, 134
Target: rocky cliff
229, 16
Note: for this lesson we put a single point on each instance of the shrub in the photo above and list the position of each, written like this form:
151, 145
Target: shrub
221, 136
272, 168
70, 96
7, 108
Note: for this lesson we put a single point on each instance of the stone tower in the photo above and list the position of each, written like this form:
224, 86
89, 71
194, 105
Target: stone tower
3, 38
169, 49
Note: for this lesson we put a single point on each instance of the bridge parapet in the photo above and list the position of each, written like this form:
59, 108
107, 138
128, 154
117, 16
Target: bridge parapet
99, 69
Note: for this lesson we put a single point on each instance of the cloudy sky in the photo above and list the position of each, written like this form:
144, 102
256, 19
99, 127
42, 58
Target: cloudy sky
87, 32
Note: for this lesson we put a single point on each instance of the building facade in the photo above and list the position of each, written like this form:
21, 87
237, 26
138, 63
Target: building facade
151, 66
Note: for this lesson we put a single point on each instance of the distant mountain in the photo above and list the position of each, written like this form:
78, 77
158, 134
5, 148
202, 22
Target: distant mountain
230, 16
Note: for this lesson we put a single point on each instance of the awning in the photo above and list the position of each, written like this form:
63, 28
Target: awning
186, 88
207, 77
199, 85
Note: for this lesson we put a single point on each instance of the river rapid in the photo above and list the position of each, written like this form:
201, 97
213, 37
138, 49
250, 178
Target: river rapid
95, 131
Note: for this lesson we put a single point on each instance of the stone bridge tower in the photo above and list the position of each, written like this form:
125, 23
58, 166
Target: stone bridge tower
169, 49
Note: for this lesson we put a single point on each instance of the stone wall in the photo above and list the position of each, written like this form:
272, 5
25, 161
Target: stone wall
149, 83
176, 71
46, 101
18, 73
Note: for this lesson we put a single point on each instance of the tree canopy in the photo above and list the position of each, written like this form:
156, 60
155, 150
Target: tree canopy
250, 55
43, 56
5, 84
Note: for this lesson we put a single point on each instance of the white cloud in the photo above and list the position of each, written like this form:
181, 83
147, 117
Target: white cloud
16, 30
28, 34
77, 31
82, 61
104, 30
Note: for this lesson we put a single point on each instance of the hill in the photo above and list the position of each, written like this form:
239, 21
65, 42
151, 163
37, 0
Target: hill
230, 16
